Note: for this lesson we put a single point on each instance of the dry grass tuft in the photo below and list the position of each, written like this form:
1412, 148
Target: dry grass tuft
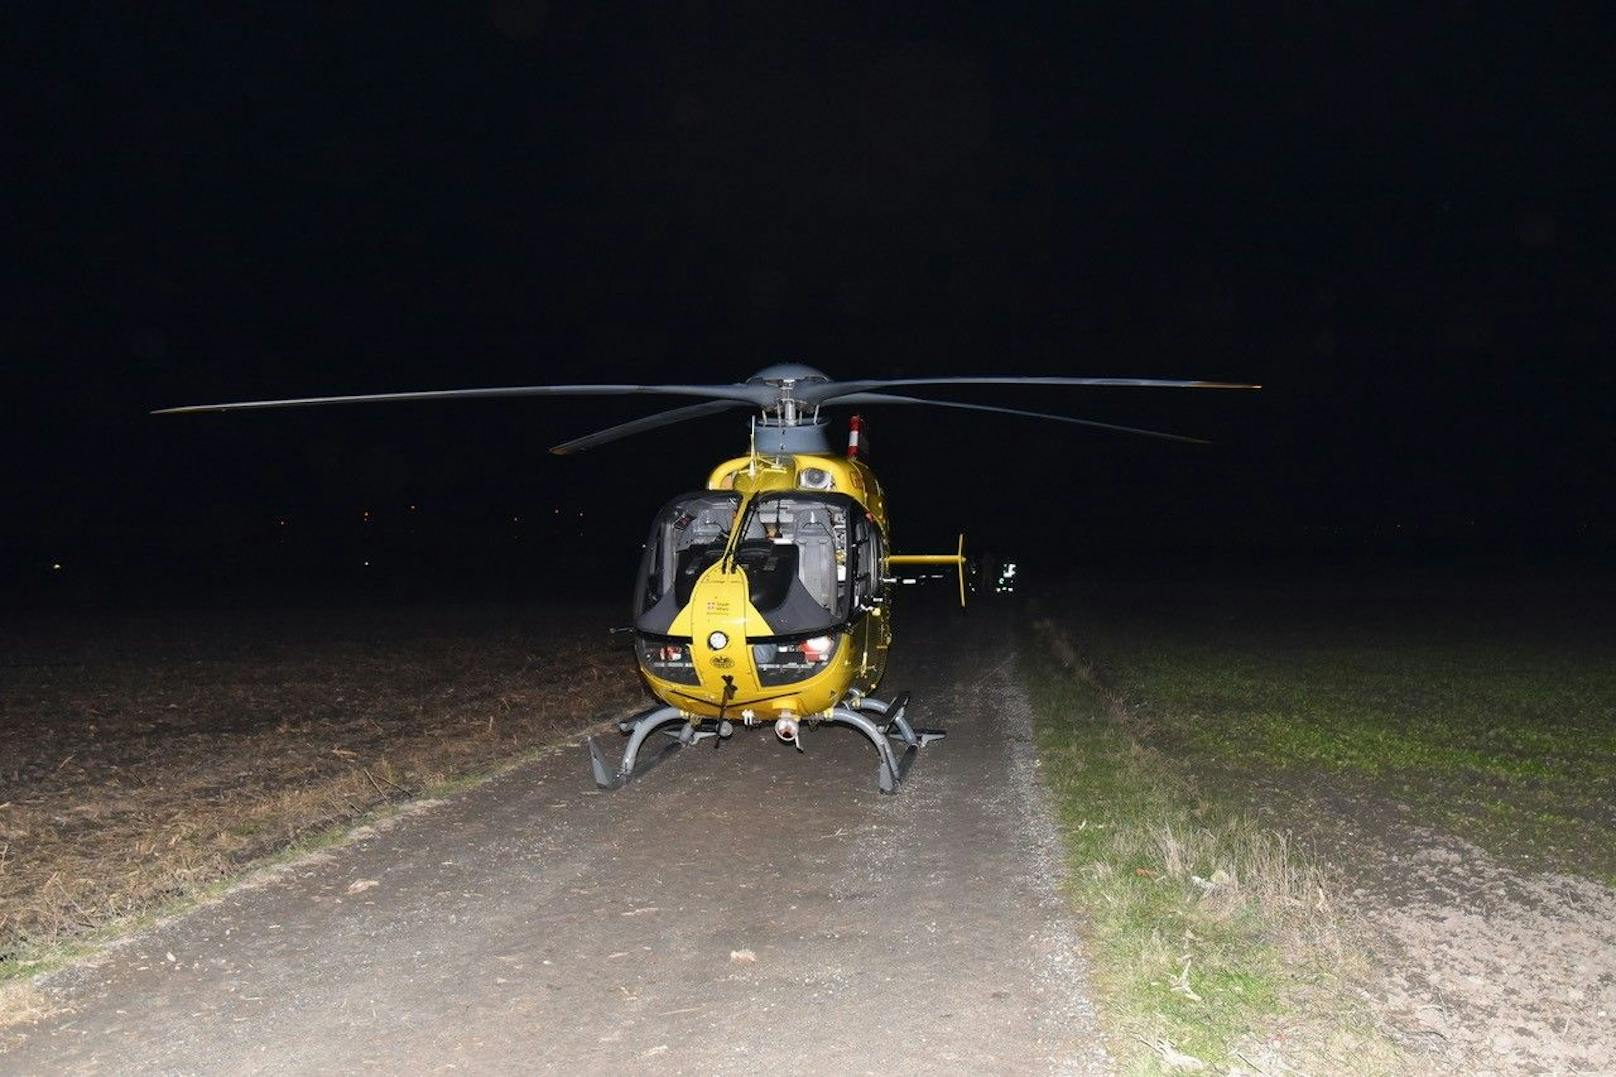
21, 1003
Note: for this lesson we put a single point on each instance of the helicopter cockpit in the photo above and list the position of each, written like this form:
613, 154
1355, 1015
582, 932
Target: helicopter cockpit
808, 558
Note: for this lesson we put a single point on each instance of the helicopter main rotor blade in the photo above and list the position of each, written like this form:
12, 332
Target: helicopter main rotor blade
838, 391
757, 395
650, 422
888, 398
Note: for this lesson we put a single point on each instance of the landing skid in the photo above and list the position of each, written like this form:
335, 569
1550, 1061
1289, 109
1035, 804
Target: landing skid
638, 729
882, 723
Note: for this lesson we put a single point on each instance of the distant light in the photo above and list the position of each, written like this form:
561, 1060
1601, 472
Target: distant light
516, 519
56, 566
412, 508
367, 564
283, 523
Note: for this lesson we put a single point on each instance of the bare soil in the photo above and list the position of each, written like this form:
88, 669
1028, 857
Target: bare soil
144, 758
1485, 966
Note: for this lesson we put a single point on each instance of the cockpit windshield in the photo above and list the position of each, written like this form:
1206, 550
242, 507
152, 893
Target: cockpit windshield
688, 537
794, 550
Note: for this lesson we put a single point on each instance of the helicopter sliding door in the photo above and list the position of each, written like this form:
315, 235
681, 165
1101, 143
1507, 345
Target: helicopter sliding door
871, 625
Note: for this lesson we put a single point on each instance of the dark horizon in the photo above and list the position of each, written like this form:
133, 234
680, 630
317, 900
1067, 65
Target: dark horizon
1397, 224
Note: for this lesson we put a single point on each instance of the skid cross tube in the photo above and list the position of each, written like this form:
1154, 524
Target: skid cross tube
896, 725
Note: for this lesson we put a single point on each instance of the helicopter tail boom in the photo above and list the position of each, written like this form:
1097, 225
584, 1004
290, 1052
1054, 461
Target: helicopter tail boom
957, 559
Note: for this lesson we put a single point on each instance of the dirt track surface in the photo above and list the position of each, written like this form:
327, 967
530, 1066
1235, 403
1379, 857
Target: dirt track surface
746, 909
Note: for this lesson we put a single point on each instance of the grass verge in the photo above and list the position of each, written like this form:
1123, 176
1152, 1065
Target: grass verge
1215, 945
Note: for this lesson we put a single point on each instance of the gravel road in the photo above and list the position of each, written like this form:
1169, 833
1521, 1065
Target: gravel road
747, 909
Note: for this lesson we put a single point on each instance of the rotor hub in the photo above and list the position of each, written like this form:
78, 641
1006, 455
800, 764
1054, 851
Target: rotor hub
788, 410
787, 374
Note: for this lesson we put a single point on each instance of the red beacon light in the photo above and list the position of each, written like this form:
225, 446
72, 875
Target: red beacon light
854, 425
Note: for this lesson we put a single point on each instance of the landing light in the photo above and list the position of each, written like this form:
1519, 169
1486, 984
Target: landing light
717, 641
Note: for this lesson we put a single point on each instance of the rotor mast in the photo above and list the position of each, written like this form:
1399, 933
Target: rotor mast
791, 424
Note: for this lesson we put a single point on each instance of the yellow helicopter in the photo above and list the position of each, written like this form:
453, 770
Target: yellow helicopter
764, 599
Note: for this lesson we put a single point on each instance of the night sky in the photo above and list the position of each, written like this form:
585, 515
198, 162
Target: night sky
1401, 223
